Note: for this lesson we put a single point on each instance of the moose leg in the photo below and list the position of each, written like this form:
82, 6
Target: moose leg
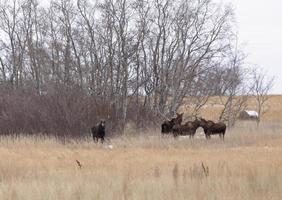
164, 134
223, 136
163, 130
175, 132
191, 135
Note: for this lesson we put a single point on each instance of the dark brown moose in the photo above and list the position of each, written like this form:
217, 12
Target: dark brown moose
98, 131
167, 126
189, 128
212, 128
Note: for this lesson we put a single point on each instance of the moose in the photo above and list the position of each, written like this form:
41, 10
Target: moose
98, 131
212, 128
167, 125
189, 128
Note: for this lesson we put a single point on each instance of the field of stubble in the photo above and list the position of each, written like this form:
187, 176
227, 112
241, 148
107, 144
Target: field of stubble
247, 165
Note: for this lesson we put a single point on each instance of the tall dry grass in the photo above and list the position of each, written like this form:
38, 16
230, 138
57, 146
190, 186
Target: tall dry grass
247, 165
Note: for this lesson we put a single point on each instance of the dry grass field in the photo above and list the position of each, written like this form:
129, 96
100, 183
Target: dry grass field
247, 165
213, 108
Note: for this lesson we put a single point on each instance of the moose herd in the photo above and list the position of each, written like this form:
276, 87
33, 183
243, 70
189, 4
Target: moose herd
175, 127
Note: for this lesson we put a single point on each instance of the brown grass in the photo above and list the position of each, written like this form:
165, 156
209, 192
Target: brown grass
247, 165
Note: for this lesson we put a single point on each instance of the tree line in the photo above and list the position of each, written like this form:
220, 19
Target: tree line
137, 56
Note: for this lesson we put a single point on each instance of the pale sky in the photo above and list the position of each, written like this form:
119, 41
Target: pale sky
260, 28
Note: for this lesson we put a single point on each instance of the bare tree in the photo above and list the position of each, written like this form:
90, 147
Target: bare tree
9, 13
262, 85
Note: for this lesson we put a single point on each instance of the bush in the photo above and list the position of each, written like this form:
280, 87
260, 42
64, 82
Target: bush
62, 111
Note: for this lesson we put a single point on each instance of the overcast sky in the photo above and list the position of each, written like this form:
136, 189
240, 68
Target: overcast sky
260, 28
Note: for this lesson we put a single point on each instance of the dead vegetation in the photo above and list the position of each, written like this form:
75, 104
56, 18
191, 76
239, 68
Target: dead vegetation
247, 165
